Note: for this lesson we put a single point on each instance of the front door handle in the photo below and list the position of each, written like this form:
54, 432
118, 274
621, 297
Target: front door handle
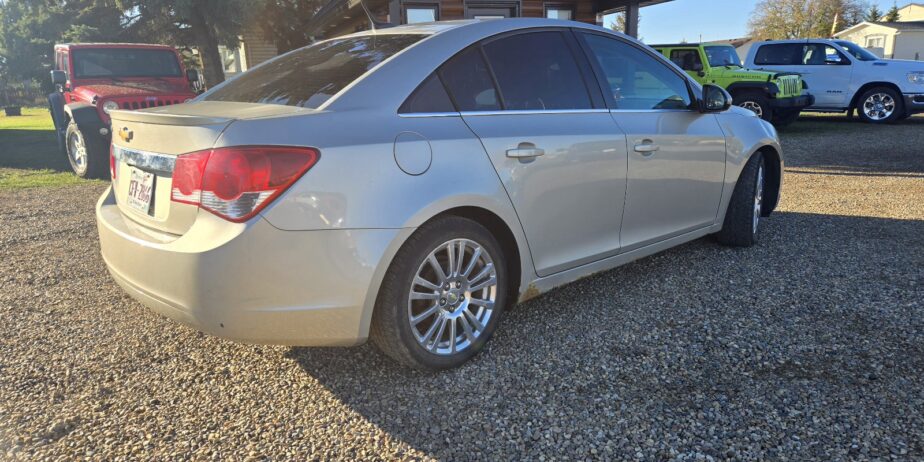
525, 151
647, 147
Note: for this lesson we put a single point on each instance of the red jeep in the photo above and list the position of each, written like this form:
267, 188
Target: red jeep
95, 78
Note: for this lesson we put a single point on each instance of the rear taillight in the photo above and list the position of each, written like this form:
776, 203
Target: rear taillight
112, 162
235, 183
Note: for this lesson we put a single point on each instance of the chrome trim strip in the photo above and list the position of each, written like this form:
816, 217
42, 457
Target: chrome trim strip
429, 114
145, 160
534, 112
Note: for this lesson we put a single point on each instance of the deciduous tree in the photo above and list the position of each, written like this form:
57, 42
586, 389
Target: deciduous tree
790, 19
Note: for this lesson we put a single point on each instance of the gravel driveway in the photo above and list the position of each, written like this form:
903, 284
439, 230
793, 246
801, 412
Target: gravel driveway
808, 346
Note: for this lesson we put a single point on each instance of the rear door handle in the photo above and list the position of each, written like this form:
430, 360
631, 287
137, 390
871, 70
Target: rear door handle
525, 151
647, 147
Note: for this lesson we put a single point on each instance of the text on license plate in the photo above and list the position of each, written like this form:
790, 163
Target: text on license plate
140, 190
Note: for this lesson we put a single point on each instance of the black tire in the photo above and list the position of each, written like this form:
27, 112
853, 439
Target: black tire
96, 159
782, 119
753, 99
391, 329
739, 229
897, 111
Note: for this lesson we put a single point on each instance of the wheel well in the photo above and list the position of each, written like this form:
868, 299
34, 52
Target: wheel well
774, 179
497, 227
868, 86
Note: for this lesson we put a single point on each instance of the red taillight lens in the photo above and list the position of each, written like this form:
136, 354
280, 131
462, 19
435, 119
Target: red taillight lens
236, 183
112, 162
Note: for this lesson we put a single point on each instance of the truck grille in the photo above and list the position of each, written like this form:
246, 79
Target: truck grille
143, 103
790, 86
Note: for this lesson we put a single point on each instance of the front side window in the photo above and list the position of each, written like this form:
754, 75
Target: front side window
858, 52
310, 76
719, 56
637, 80
469, 82
688, 60
124, 62
537, 71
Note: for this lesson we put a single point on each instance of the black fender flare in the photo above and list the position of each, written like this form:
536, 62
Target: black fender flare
88, 122
769, 88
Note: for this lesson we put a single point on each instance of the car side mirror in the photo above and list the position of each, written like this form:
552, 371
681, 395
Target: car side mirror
59, 77
715, 99
192, 75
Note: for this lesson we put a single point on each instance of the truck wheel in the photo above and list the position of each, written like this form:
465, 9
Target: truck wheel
746, 207
756, 102
784, 118
87, 156
880, 105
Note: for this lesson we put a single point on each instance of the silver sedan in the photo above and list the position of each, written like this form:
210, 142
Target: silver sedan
410, 185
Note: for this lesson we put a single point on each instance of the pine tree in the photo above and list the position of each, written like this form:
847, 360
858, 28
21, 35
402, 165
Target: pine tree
893, 15
873, 15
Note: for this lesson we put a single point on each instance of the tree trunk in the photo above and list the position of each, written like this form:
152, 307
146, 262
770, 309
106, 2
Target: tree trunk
213, 68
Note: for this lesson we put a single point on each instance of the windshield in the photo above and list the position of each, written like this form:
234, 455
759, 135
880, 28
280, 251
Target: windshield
309, 76
857, 51
722, 56
124, 62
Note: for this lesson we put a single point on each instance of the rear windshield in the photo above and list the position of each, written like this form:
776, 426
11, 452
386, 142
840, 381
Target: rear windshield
124, 62
310, 76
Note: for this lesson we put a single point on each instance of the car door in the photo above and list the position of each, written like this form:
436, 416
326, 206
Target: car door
550, 138
676, 154
826, 71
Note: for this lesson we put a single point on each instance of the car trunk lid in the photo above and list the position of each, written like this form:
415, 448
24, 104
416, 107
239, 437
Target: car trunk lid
145, 145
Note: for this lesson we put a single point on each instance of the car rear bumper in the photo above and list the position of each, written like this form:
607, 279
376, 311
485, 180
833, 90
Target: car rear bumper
249, 282
914, 102
797, 102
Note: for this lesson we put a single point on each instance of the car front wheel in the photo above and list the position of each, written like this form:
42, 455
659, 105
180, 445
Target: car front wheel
742, 219
880, 105
442, 296
756, 102
88, 157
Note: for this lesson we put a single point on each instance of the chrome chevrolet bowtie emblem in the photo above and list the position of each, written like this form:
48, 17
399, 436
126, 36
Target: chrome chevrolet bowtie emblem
126, 134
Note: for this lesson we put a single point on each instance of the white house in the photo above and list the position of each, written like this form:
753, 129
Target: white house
903, 39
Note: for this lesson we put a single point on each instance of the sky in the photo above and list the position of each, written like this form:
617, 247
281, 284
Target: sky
710, 19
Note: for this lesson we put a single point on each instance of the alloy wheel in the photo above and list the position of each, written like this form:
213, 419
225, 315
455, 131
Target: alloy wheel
758, 198
77, 151
753, 107
879, 106
452, 297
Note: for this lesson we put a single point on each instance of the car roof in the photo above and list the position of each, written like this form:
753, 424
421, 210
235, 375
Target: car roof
505, 24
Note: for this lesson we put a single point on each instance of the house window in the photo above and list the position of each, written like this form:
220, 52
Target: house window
232, 60
559, 12
875, 41
420, 13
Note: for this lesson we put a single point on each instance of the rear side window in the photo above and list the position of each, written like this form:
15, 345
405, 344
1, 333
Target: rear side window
782, 54
429, 97
310, 76
537, 71
469, 82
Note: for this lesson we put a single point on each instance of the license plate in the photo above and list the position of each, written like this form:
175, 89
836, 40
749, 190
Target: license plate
140, 190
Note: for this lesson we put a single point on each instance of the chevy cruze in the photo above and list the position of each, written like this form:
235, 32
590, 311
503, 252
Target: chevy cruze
408, 185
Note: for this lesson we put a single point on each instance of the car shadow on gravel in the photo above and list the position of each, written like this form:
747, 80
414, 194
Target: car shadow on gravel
792, 347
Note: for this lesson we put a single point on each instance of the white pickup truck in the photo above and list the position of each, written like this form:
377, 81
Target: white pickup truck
845, 77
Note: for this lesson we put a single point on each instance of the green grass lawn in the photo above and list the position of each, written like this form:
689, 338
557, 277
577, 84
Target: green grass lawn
29, 155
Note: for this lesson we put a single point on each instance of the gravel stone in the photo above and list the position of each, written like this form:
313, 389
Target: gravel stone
809, 346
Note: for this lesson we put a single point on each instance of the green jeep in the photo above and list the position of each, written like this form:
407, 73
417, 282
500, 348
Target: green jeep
775, 97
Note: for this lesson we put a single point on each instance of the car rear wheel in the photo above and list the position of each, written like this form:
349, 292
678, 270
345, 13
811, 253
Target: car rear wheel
880, 105
442, 297
88, 157
756, 102
742, 219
